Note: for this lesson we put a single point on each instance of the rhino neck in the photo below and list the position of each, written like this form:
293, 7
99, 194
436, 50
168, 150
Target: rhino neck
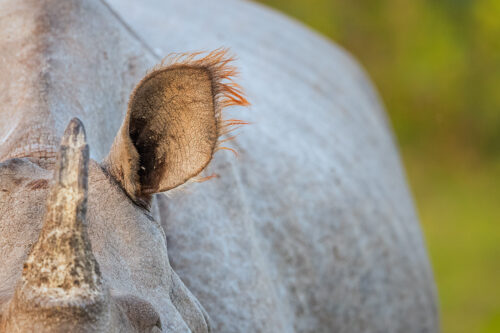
58, 60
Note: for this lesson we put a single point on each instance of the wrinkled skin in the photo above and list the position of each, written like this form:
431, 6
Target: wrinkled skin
139, 284
312, 229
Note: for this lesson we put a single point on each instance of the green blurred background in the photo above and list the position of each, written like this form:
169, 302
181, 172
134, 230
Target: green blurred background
436, 64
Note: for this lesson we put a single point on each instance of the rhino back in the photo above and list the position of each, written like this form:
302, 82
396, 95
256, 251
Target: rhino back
312, 228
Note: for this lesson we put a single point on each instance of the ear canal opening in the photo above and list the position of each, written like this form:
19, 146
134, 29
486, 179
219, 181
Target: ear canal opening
146, 141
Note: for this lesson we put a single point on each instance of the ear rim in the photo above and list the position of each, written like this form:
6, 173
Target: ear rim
225, 92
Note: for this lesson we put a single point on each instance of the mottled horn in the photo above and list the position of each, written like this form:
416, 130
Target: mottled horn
61, 273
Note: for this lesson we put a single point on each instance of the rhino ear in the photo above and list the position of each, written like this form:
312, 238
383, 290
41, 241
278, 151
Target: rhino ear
173, 123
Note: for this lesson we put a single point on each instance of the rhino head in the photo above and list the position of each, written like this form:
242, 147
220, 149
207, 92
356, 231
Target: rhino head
98, 260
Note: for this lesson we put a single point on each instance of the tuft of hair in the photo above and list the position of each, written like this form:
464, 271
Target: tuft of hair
219, 64
226, 92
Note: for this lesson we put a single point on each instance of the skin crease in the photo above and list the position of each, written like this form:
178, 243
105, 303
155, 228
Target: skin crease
312, 229
146, 280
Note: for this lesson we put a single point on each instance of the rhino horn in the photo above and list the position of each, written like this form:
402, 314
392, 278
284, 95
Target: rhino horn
61, 273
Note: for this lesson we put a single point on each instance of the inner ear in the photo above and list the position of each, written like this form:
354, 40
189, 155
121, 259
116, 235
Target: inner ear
173, 126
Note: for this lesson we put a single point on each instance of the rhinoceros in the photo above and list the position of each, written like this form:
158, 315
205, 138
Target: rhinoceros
131, 214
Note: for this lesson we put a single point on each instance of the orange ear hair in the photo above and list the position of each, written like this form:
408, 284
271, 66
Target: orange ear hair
226, 91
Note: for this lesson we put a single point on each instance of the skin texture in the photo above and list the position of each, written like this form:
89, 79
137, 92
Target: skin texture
62, 59
145, 280
312, 229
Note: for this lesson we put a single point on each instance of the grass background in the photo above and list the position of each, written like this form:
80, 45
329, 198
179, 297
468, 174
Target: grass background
436, 64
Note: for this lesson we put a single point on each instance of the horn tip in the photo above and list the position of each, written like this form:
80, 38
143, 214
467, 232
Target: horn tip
74, 135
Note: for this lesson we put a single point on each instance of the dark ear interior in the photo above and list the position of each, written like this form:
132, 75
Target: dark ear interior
173, 124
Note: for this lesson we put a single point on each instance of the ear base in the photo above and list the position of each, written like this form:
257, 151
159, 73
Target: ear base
174, 122
123, 163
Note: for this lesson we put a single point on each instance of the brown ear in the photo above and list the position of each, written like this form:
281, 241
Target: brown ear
173, 123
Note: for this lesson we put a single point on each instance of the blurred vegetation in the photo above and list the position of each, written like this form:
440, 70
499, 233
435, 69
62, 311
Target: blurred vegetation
436, 65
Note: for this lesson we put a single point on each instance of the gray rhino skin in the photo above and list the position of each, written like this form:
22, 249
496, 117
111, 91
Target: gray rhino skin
310, 229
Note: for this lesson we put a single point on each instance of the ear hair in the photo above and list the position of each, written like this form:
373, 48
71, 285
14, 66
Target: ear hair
226, 92
168, 137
